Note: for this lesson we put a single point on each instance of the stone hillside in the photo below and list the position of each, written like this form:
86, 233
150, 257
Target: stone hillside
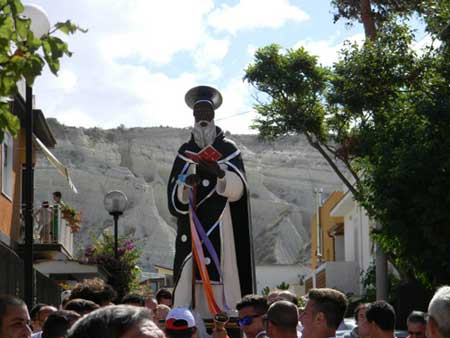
282, 177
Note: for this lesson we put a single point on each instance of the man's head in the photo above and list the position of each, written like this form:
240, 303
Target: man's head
361, 320
164, 296
58, 323
14, 318
57, 196
116, 321
81, 306
251, 310
95, 290
417, 324
180, 323
288, 296
161, 313
41, 316
133, 299
438, 325
151, 303
323, 312
272, 296
381, 318
282, 319
33, 316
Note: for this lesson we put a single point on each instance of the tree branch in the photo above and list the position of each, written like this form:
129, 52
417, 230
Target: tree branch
333, 165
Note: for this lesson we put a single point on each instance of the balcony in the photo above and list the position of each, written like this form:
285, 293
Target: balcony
52, 235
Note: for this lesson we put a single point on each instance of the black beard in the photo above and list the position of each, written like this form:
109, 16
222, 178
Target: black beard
204, 136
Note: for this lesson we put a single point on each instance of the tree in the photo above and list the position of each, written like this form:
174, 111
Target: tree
374, 13
383, 111
22, 55
124, 271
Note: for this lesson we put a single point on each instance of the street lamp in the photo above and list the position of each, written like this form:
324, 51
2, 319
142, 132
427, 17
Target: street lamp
40, 25
115, 203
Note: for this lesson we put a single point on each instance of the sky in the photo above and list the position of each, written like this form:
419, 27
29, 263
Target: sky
139, 57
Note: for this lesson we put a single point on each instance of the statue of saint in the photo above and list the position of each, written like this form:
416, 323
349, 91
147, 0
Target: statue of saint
208, 194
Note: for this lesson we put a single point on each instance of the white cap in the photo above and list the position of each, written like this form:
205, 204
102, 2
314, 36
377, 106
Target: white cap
179, 313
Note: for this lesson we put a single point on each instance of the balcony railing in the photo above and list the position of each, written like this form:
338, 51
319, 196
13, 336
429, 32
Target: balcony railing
51, 228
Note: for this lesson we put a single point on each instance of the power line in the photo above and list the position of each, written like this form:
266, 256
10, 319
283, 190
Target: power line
238, 114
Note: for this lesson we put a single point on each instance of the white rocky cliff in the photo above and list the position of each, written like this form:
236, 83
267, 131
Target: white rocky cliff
282, 177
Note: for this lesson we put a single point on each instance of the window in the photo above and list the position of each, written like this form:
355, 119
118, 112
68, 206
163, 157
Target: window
7, 166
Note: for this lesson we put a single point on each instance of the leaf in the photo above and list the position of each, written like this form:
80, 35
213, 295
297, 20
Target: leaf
68, 27
6, 27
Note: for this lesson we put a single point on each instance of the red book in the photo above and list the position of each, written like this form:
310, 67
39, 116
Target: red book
208, 153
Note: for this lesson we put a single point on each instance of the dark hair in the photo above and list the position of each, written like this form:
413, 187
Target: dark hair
81, 306
95, 290
111, 322
259, 303
331, 303
57, 194
383, 314
283, 314
35, 310
5, 302
417, 317
163, 293
180, 334
359, 308
133, 299
58, 323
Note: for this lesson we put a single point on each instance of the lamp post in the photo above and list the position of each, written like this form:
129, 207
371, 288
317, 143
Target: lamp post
115, 203
40, 25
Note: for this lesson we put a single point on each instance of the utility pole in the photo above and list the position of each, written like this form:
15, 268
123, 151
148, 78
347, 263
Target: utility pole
381, 273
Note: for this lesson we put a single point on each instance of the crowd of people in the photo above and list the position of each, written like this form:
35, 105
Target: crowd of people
90, 311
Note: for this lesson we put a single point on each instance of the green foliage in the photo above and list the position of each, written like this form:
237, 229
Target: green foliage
295, 84
283, 286
124, 271
265, 291
368, 281
383, 110
23, 56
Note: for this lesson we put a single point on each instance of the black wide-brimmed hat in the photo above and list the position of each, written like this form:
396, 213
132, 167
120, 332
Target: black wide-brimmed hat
203, 94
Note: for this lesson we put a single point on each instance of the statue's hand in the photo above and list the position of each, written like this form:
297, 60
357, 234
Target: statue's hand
211, 167
192, 180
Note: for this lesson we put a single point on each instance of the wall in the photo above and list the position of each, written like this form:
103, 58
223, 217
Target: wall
327, 221
9, 210
358, 246
273, 275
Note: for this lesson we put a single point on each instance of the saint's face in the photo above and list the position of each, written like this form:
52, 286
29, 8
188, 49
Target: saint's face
203, 113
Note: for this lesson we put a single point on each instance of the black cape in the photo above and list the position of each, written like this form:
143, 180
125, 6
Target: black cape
210, 206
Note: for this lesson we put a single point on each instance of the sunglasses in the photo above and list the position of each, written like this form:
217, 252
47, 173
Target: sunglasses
247, 320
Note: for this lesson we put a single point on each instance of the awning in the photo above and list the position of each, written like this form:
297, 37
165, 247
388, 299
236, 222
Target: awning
56, 163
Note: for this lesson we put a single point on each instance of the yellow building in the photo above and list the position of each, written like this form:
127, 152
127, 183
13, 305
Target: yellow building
329, 227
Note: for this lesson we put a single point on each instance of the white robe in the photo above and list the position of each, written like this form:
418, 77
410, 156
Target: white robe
229, 293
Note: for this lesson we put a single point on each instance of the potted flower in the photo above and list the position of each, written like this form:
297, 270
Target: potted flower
72, 216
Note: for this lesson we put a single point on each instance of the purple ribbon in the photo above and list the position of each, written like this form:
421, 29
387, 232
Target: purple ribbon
204, 237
